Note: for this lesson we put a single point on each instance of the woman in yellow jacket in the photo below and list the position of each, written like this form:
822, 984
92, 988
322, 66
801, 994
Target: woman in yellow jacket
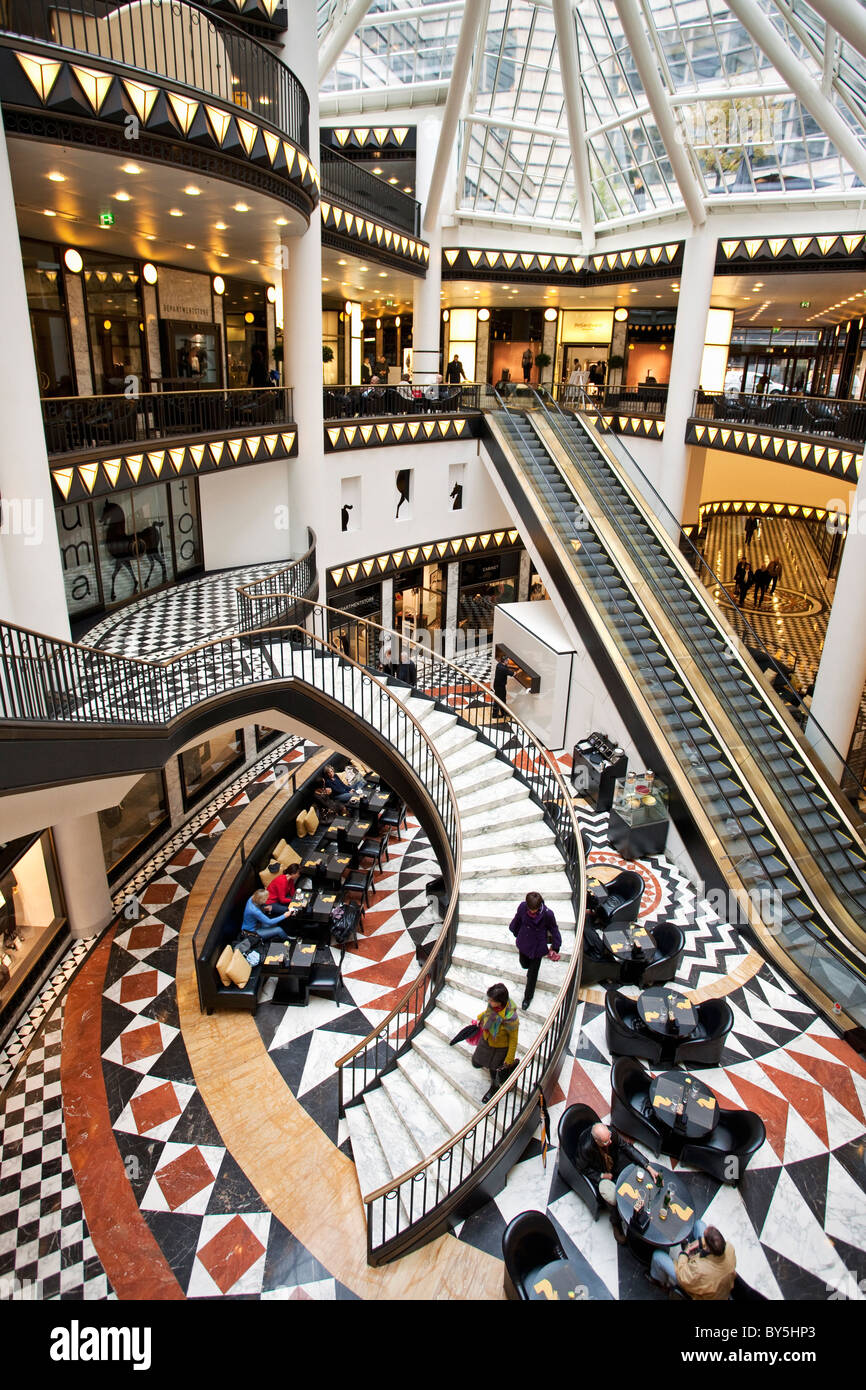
499, 1025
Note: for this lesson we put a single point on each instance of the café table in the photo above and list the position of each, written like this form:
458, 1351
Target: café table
700, 1109
358, 832
291, 962
316, 861
320, 912
554, 1282
377, 801
621, 940
660, 1226
338, 867
667, 1013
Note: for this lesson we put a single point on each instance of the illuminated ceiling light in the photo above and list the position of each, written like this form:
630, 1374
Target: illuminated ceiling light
249, 317
223, 255
392, 181
378, 323
191, 190
282, 221
56, 177
342, 262
483, 315
620, 315
383, 275
549, 314
272, 294
241, 207
219, 285
407, 189
149, 273
397, 321
72, 260
190, 246
48, 212
221, 226
131, 168
378, 171
175, 212
445, 316
106, 324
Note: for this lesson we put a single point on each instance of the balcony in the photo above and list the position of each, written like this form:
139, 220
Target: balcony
178, 41
823, 417
352, 187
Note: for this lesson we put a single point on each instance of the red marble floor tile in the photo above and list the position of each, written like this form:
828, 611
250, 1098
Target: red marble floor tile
772, 1109
183, 858
374, 947
806, 1098
140, 1043
184, 1177
389, 1000
298, 1294
159, 893
142, 985
128, 1251
145, 937
154, 1107
582, 1091
374, 920
834, 1078
843, 1053
230, 1253
389, 972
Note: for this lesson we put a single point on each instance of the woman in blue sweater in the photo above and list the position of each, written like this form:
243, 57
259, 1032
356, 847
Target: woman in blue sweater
257, 920
538, 936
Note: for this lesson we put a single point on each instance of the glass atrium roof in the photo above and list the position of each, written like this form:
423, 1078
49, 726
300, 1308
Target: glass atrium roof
743, 129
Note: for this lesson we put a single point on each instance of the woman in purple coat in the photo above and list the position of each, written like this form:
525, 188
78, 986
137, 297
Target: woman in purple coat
538, 936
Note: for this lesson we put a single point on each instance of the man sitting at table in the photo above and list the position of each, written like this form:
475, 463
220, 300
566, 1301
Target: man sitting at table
257, 920
336, 788
705, 1268
603, 1154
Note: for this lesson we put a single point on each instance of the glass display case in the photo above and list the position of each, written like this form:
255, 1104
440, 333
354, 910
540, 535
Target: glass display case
639, 816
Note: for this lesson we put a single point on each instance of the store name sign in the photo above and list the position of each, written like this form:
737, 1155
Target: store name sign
184, 295
586, 326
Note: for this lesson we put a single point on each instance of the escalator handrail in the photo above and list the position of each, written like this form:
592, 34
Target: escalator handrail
699, 560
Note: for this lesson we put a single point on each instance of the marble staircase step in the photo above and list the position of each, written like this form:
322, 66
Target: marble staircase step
476, 908
501, 888
450, 1106
526, 860
427, 1129
487, 935
505, 792
461, 751
505, 826
462, 1004
477, 779
454, 1065
393, 1130
371, 1166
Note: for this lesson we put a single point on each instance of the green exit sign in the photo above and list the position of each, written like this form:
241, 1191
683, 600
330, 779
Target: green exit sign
389, 303
106, 219
805, 303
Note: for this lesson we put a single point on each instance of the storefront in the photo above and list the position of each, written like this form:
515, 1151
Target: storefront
132, 824
208, 763
115, 322
419, 601
43, 279
349, 636
32, 912
112, 548
245, 310
485, 582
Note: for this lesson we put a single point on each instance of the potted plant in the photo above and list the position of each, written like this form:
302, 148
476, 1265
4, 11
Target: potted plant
542, 360
615, 364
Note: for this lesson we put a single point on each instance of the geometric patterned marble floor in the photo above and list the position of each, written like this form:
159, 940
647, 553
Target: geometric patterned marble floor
797, 1220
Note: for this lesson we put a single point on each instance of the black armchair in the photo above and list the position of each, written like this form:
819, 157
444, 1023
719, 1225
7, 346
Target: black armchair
622, 902
574, 1123
715, 1021
529, 1242
630, 1109
727, 1151
625, 1034
670, 948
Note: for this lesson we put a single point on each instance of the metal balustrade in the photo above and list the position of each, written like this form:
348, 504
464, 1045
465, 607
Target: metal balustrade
822, 415
401, 398
76, 423
177, 40
349, 185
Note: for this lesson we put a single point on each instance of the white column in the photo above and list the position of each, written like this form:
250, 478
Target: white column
452, 589
82, 872
842, 670
32, 578
427, 301
302, 309
696, 289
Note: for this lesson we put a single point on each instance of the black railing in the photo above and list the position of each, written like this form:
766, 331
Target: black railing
273, 600
822, 415
355, 402
627, 400
75, 423
351, 186
177, 40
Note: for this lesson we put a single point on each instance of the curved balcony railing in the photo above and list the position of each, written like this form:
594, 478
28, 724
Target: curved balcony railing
355, 402
351, 186
273, 600
75, 423
177, 40
822, 415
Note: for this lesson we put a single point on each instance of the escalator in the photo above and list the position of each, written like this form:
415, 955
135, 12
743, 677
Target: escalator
743, 775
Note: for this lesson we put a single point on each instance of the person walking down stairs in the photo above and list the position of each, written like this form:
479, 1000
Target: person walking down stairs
497, 1048
538, 936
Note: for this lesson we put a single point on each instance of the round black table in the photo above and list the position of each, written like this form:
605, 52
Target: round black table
556, 1281
620, 937
660, 1231
700, 1109
655, 1007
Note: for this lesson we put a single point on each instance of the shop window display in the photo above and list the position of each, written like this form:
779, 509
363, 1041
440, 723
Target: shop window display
31, 908
129, 825
208, 762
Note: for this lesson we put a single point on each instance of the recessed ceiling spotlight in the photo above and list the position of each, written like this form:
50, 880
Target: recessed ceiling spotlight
56, 177
377, 170
221, 226
121, 196
392, 180
131, 168
48, 212
383, 275
282, 221
192, 191
241, 207
175, 212
190, 246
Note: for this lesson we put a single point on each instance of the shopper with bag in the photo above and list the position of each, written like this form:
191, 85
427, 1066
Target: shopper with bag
499, 1024
538, 937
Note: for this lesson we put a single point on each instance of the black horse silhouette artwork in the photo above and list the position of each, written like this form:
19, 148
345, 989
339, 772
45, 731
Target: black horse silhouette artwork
123, 547
403, 480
